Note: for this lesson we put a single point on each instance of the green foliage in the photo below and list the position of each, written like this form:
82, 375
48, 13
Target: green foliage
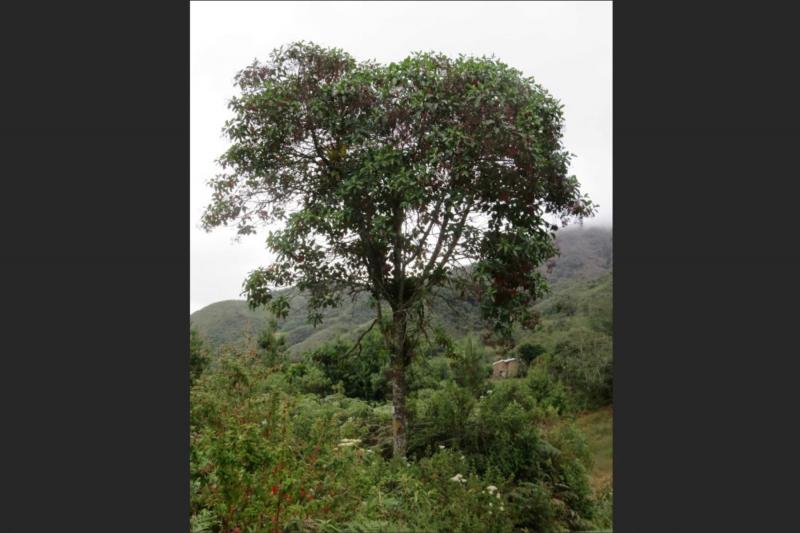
584, 362
429, 372
198, 356
429, 139
361, 370
548, 391
576, 336
265, 455
470, 367
527, 352
498, 436
271, 345
309, 378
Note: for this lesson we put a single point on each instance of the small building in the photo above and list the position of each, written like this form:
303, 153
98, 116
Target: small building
505, 368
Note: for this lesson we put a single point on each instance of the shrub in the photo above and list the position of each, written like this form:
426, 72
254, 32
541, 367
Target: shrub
309, 378
428, 373
527, 352
498, 436
583, 361
362, 371
547, 390
439, 418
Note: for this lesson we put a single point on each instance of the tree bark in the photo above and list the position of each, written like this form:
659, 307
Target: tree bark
399, 386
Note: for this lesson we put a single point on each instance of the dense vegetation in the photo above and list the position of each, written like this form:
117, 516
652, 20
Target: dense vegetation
412, 207
303, 442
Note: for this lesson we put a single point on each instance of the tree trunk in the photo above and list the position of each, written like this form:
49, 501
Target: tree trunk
399, 413
399, 386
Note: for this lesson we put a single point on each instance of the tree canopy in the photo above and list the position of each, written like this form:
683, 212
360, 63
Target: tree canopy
397, 172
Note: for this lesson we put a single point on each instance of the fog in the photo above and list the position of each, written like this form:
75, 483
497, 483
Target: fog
566, 46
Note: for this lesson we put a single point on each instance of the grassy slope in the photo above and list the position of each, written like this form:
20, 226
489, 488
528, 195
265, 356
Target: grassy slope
597, 426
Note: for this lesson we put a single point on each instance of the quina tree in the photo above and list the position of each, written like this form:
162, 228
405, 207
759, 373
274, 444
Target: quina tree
396, 181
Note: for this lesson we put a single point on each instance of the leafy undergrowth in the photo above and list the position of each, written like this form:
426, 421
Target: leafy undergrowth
267, 455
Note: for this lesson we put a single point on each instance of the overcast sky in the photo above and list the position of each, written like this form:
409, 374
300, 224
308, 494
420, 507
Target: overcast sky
565, 46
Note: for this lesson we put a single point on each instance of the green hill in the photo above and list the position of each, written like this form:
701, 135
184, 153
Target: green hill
585, 260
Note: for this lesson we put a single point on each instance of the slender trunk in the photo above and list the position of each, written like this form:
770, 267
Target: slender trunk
399, 414
400, 356
399, 386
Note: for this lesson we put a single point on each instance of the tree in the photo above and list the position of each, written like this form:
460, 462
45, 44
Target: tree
271, 345
395, 181
529, 351
470, 368
361, 374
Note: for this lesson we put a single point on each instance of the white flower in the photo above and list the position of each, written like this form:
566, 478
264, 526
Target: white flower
490, 504
441, 447
458, 477
491, 489
348, 442
498, 495
502, 508
462, 458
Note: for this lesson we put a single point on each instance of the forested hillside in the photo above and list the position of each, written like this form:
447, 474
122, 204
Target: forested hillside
585, 255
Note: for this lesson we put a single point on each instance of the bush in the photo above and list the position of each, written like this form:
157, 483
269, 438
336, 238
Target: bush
428, 373
309, 378
546, 390
583, 361
439, 418
527, 352
362, 372
498, 436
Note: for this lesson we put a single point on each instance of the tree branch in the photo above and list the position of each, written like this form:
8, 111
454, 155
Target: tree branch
439, 243
360, 338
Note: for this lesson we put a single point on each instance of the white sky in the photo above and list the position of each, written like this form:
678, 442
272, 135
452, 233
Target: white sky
565, 46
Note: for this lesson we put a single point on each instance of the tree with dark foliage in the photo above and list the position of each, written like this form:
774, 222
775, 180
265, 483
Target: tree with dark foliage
390, 180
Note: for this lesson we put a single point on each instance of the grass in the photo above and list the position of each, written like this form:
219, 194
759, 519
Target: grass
597, 426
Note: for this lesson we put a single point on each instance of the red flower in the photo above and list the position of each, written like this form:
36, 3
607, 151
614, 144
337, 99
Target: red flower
274, 489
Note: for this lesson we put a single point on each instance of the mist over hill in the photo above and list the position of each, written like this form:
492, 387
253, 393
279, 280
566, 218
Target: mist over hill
585, 256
